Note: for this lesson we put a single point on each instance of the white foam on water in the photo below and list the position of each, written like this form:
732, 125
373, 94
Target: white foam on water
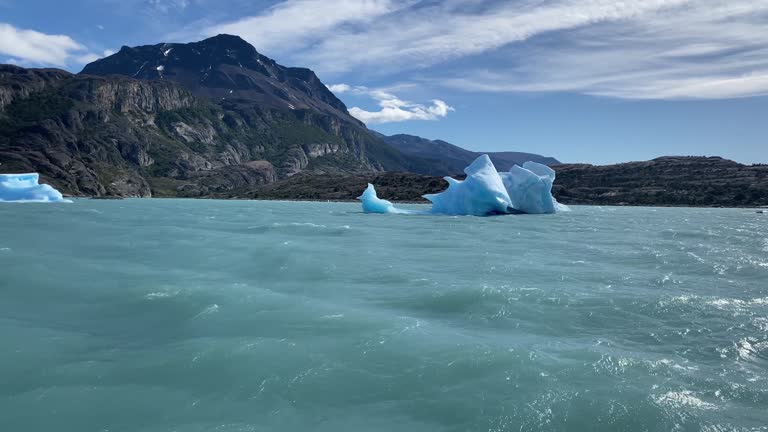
737, 304
161, 295
298, 224
682, 399
749, 348
761, 323
207, 311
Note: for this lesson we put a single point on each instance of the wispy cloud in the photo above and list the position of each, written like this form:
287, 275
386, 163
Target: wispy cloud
92, 57
625, 49
393, 109
449, 30
713, 52
296, 24
165, 6
33, 47
419, 33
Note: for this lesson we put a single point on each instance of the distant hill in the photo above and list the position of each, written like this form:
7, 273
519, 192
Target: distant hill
666, 181
453, 158
670, 180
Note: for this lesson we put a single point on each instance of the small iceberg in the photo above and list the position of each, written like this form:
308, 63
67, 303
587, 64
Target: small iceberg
373, 204
25, 188
485, 192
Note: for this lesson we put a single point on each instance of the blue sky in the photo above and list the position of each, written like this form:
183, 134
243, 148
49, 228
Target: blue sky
596, 81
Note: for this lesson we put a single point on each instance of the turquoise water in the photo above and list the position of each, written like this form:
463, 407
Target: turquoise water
176, 315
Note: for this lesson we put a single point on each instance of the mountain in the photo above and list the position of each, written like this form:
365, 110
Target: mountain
181, 119
225, 67
454, 159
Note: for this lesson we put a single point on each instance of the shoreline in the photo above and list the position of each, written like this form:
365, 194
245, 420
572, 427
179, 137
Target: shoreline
311, 200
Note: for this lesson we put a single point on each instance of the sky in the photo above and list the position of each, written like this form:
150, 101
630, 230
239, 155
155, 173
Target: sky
595, 81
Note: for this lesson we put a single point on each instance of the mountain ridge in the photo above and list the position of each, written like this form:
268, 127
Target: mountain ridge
455, 158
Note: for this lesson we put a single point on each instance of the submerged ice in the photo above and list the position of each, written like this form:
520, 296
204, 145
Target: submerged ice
485, 191
26, 188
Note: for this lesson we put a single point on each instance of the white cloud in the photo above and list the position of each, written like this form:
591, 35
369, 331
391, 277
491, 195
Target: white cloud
393, 109
92, 57
165, 6
714, 52
402, 35
30, 46
86, 58
339, 88
625, 49
447, 31
296, 23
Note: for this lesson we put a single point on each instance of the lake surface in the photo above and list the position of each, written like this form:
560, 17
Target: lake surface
183, 315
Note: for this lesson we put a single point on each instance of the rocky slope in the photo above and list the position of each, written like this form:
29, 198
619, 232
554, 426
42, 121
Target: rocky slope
453, 159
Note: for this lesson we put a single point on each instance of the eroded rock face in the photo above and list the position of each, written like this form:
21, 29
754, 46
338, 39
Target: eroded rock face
18, 83
228, 178
190, 135
316, 150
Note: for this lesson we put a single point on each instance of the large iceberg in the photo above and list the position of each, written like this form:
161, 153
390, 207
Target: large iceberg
25, 188
485, 191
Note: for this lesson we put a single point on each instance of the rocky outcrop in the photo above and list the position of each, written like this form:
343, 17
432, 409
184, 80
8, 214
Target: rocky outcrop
20, 83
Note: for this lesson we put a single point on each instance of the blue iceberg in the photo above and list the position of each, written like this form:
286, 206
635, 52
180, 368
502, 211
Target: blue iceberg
373, 204
25, 188
485, 191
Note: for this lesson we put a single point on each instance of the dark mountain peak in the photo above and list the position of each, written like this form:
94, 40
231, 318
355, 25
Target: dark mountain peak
230, 45
230, 49
223, 38
225, 67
